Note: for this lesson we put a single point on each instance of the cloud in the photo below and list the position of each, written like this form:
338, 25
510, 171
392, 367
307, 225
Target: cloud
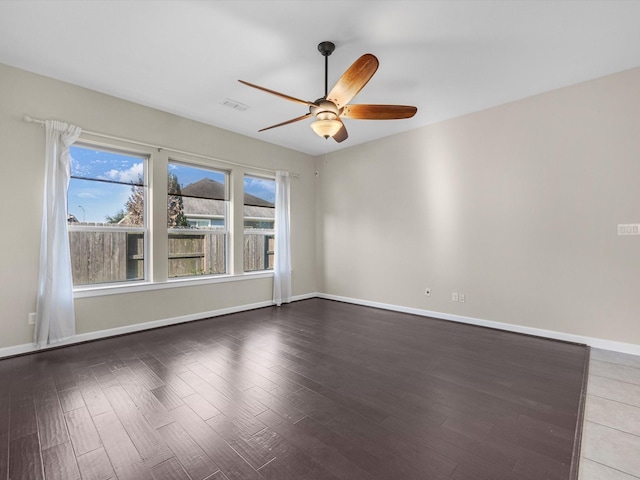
78, 169
87, 195
261, 188
129, 175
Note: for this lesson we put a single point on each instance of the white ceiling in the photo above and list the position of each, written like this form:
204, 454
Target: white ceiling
446, 57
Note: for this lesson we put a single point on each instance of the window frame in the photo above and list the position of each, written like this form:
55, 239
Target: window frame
200, 230
144, 229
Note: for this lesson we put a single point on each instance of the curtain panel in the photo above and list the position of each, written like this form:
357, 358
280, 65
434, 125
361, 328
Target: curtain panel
55, 318
282, 260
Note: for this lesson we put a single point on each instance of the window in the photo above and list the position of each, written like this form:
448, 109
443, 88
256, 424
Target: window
259, 218
106, 204
113, 234
197, 206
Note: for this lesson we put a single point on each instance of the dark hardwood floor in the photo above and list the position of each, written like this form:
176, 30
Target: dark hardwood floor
312, 390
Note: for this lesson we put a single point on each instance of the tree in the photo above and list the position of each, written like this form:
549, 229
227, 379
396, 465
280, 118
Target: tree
117, 218
175, 207
135, 205
133, 213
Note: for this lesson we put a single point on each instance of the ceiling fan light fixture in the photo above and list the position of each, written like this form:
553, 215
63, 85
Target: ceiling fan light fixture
334, 105
326, 128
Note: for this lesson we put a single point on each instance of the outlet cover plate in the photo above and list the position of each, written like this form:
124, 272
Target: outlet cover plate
629, 229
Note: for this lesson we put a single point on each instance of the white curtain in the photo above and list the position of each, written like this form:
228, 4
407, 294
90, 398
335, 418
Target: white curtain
55, 319
282, 262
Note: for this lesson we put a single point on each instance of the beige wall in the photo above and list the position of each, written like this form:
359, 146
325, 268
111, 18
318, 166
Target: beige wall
21, 157
515, 206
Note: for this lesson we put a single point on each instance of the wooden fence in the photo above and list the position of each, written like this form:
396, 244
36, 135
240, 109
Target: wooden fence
202, 254
105, 257
258, 251
109, 257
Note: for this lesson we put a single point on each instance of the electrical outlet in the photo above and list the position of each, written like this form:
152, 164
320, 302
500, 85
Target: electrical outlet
461, 297
32, 318
629, 229
454, 297
427, 292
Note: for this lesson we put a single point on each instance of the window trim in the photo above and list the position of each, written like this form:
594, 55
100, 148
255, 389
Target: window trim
118, 289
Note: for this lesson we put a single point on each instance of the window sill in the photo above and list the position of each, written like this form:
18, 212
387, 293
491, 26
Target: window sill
117, 289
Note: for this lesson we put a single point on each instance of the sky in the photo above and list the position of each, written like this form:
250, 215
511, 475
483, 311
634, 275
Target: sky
91, 201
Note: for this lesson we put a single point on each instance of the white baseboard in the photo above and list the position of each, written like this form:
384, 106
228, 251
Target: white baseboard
621, 347
138, 327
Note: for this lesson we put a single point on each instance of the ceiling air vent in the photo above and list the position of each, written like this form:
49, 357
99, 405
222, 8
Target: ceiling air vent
235, 105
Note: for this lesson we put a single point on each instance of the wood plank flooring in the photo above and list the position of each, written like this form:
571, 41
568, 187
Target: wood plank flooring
312, 390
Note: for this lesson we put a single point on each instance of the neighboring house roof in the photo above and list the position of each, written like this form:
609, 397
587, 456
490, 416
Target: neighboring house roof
205, 188
126, 220
202, 207
259, 212
208, 188
206, 198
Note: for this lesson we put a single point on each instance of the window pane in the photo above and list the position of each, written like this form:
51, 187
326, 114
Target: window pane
199, 254
258, 251
104, 204
106, 189
197, 205
106, 257
259, 216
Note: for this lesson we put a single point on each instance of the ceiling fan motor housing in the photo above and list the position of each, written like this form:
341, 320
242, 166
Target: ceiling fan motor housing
325, 110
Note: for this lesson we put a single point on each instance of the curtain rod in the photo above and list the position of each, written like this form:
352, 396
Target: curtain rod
30, 119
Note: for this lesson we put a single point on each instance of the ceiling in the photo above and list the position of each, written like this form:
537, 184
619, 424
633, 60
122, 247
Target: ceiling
448, 58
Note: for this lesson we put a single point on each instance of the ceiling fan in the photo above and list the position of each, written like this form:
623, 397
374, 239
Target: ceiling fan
330, 109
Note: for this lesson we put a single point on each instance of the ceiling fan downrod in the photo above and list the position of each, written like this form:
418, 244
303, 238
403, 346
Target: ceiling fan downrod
326, 49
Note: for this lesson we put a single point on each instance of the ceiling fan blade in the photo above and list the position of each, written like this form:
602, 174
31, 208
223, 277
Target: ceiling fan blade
293, 120
342, 134
353, 80
378, 112
281, 95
